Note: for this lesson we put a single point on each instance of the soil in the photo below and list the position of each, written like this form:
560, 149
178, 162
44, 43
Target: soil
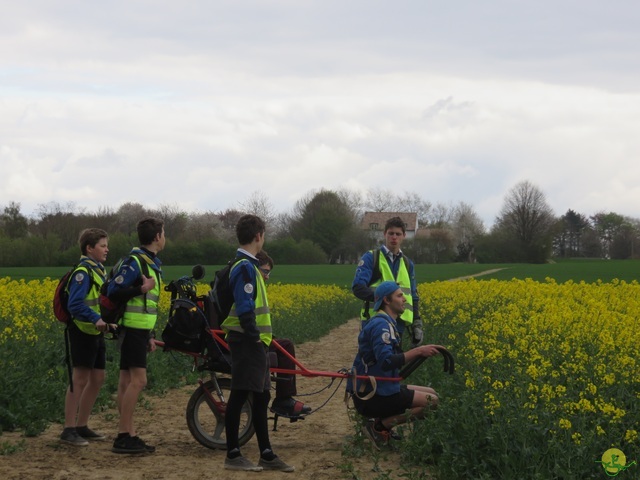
314, 446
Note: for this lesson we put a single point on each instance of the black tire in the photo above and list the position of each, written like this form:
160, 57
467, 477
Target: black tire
207, 425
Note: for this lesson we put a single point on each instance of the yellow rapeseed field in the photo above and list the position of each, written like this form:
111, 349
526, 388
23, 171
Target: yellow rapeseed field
547, 379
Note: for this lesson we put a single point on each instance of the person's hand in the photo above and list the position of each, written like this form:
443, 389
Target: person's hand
148, 284
428, 350
416, 336
151, 347
102, 326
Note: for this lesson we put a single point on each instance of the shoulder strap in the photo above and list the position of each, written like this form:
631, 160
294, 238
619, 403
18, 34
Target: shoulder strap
84, 267
144, 264
375, 271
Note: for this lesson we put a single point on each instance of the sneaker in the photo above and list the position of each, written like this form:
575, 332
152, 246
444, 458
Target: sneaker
240, 463
275, 464
147, 448
393, 435
128, 444
379, 438
289, 407
88, 434
70, 437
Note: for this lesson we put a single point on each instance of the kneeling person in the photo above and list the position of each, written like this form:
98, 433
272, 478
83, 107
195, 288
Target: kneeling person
379, 355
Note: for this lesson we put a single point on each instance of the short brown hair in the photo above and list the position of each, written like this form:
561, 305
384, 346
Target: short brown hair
89, 237
148, 228
248, 227
395, 222
264, 259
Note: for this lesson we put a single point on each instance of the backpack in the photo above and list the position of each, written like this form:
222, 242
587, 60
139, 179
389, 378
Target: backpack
61, 294
220, 297
112, 311
186, 328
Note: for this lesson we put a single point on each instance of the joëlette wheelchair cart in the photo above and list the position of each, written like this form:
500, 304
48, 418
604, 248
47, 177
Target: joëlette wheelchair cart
205, 343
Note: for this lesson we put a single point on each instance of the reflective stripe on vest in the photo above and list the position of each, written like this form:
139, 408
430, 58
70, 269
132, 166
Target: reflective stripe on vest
141, 314
263, 315
403, 280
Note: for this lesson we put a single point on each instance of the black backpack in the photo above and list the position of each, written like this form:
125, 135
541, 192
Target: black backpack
112, 311
220, 297
186, 327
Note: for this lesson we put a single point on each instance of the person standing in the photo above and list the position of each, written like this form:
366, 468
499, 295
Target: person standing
284, 403
248, 334
141, 294
379, 355
388, 263
85, 338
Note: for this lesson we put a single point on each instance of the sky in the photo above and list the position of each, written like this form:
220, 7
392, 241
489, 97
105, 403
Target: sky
200, 104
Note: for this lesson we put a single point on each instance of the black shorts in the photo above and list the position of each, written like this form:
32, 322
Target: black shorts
87, 351
134, 348
380, 406
249, 364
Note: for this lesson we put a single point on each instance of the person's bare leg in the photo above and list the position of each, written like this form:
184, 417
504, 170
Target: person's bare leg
138, 380
423, 398
72, 399
89, 395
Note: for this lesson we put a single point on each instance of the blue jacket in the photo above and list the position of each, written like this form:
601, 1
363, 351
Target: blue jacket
127, 279
378, 350
364, 274
243, 283
79, 286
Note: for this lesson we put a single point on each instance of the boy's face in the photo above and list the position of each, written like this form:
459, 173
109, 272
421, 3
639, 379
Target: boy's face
397, 302
393, 238
99, 251
265, 270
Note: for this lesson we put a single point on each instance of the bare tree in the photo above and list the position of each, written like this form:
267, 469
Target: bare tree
381, 200
259, 204
203, 226
412, 202
528, 220
129, 214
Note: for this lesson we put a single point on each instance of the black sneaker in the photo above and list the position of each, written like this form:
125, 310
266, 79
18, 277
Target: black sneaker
128, 444
70, 437
147, 448
88, 434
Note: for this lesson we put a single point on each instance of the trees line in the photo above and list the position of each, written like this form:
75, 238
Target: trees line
325, 226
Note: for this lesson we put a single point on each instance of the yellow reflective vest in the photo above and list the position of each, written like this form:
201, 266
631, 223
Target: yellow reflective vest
142, 311
91, 300
404, 281
263, 315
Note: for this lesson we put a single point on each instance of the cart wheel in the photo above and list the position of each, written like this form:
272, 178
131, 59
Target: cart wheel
206, 424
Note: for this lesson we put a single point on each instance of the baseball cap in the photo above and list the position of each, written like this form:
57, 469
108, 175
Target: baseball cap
383, 290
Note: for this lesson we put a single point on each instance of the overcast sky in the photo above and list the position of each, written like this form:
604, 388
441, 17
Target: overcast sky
199, 104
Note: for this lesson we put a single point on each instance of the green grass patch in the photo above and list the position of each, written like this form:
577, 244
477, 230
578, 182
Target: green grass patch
589, 271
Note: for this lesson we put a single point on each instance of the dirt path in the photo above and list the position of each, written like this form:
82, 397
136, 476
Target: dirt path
314, 446
479, 274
